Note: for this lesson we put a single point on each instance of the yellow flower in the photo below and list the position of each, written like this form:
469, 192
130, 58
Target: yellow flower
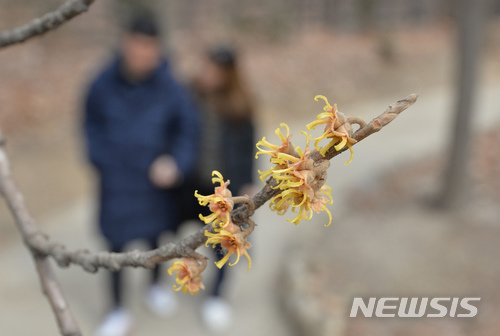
286, 147
294, 171
336, 128
279, 204
296, 176
298, 199
319, 202
234, 240
220, 203
273, 150
189, 275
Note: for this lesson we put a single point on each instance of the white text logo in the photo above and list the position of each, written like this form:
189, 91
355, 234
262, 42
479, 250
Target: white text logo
411, 307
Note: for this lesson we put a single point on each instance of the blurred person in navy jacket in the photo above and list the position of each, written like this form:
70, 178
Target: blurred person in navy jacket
141, 130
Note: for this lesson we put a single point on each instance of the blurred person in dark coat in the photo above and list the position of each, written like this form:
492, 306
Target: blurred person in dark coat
227, 145
142, 137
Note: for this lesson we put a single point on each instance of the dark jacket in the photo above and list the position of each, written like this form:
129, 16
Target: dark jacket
238, 151
127, 126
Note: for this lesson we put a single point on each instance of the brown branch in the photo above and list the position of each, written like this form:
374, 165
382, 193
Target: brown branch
49, 21
91, 262
373, 126
26, 225
52, 290
385, 118
41, 246
364, 131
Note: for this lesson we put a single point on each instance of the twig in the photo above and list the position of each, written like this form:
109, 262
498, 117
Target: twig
26, 225
49, 21
385, 118
52, 290
364, 131
375, 125
91, 262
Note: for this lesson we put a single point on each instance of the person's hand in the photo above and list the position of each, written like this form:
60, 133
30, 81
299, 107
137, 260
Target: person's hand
164, 172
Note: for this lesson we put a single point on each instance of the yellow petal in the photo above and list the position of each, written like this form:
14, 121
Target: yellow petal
279, 133
265, 174
341, 144
210, 218
219, 177
313, 124
326, 148
308, 138
237, 257
221, 262
329, 216
249, 260
288, 157
328, 106
352, 154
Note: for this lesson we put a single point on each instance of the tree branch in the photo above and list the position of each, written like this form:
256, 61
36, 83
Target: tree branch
49, 21
41, 246
52, 290
91, 262
373, 126
385, 118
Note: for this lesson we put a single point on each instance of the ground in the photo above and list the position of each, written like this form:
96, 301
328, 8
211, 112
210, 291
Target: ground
393, 240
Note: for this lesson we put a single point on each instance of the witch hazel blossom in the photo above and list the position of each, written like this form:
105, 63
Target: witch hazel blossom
233, 239
188, 277
274, 151
337, 128
220, 203
298, 178
285, 147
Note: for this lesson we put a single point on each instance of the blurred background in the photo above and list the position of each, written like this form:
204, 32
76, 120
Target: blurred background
401, 225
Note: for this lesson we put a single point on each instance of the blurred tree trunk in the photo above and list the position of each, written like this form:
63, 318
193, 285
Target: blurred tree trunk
457, 180
365, 9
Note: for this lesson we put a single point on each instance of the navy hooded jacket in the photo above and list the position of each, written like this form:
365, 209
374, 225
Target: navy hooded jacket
127, 126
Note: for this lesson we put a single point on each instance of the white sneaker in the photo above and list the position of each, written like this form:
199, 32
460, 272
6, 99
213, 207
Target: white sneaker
216, 314
117, 323
161, 301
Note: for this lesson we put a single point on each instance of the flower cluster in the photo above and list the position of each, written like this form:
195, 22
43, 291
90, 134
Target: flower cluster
232, 237
336, 128
189, 275
299, 181
298, 177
